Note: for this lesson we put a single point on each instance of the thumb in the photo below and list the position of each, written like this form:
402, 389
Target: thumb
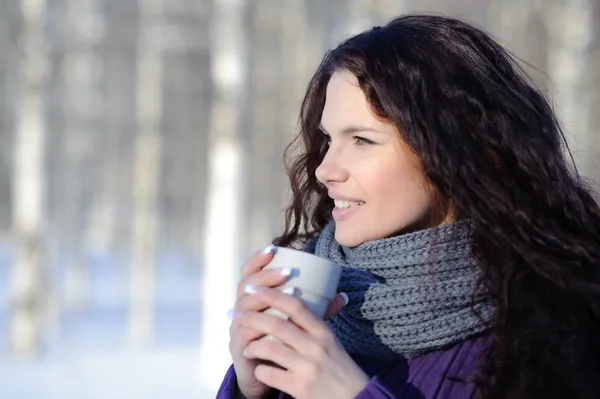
336, 305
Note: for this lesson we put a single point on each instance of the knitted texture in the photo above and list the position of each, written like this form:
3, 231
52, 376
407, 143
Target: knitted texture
409, 294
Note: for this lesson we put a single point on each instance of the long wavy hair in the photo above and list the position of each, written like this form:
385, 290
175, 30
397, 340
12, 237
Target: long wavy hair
491, 146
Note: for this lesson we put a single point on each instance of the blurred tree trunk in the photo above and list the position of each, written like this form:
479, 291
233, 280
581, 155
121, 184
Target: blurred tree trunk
362, 15
263, 141
224, 220
146, 172
567, 71
382, 11
186, 102
120, 55
508, 20
10, 29
100, 191
55, 159
300, 55
593, 85
29, 280
199, 189
83, 113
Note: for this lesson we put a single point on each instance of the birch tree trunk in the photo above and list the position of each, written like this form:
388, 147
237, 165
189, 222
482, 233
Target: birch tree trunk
593, 84
300, 55
82, 112
120, 55
186, 102
28, 279
146, 172
567, 70
100, 213
264, 143
225, 198
508, 20
199, 188
10, 31
382, 11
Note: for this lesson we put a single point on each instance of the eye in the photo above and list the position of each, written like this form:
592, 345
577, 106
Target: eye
362, 141
327, 138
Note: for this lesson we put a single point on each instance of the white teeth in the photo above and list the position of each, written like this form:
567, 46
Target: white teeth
346, 204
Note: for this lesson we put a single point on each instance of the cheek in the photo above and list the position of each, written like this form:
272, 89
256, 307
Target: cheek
395, 185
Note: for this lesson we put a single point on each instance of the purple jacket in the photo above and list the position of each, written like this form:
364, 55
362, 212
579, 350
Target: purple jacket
427, 377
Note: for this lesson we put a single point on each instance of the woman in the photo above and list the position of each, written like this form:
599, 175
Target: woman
433, 170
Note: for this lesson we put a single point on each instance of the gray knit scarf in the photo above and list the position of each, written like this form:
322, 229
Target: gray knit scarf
409, 294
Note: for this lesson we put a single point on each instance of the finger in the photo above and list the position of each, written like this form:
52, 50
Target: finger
248, 302
291, 306
241, 337
274, 351
336, 305
287, 332
276, 378
259, 260
245, 303
268, 278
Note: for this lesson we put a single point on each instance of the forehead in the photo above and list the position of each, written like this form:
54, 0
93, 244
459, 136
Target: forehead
346, 106
345, 101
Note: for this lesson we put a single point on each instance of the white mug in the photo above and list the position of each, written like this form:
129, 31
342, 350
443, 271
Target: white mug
314, 279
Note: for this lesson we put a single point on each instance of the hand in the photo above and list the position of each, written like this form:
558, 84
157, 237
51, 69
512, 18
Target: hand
241, 336
315, 364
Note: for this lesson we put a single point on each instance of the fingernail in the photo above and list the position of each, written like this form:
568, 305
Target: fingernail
345, 296
233, 314
251, 289
286, 271
269, 249
245, 352
289, 290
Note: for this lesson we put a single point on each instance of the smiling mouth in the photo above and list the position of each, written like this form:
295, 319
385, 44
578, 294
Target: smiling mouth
346, 204
345, 209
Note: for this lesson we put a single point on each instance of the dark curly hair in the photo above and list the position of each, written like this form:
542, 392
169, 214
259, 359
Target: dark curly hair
492, 147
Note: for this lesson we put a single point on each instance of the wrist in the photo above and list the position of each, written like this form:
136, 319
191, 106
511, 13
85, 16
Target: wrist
361, 384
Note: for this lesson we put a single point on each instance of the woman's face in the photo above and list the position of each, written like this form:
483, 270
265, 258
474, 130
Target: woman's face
376, 181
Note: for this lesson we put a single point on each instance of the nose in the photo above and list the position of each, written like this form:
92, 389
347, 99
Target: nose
332, 169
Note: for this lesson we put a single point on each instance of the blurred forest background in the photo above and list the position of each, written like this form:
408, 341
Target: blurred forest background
141, 163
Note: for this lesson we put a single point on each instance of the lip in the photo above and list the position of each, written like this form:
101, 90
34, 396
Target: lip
343, 214
338, 197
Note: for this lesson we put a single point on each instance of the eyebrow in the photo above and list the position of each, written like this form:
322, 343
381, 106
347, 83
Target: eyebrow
351, 129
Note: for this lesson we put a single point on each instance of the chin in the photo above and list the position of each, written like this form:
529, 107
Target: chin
349, 239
